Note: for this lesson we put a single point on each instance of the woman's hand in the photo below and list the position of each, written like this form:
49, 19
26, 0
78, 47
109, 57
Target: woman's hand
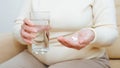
78, 40
28, 31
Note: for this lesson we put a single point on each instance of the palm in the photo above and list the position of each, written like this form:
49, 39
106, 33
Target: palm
78, 40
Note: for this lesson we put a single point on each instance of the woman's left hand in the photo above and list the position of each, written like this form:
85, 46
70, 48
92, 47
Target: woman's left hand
78, 40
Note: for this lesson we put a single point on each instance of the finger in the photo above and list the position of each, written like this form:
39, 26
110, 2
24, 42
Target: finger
28, 41
27, 35
61, 40
76, 45
80, 46
43, 28
73, 44
81, 41
28, 22
69, 43
29, 29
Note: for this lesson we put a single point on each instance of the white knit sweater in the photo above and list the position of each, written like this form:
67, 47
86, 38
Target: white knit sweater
68, 16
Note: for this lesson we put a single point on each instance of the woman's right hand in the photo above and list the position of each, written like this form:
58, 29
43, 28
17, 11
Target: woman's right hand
28, 31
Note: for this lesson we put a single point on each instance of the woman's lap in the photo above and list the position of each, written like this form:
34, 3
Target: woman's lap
78, 64
26, 60
23, 60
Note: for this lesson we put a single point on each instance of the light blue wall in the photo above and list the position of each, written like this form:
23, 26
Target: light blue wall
9, 10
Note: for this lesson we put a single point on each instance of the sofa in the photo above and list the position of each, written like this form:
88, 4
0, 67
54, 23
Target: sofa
9, 46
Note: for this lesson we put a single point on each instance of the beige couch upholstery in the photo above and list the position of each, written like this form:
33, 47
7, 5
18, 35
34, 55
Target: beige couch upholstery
114, 50
9, 47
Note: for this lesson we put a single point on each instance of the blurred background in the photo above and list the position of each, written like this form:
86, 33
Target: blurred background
9, 10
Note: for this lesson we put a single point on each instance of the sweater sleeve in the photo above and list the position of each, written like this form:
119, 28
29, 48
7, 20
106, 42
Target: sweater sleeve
105, 26
24, 13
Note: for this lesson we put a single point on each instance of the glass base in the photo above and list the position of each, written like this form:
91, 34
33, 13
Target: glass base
39, 49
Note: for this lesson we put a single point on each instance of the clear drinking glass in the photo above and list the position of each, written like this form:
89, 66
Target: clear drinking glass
40, 44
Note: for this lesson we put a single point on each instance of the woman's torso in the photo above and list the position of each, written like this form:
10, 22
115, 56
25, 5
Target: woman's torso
67, 16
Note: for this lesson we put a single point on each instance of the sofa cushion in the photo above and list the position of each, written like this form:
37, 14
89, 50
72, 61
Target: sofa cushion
115, 63
9, 46
113, 51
